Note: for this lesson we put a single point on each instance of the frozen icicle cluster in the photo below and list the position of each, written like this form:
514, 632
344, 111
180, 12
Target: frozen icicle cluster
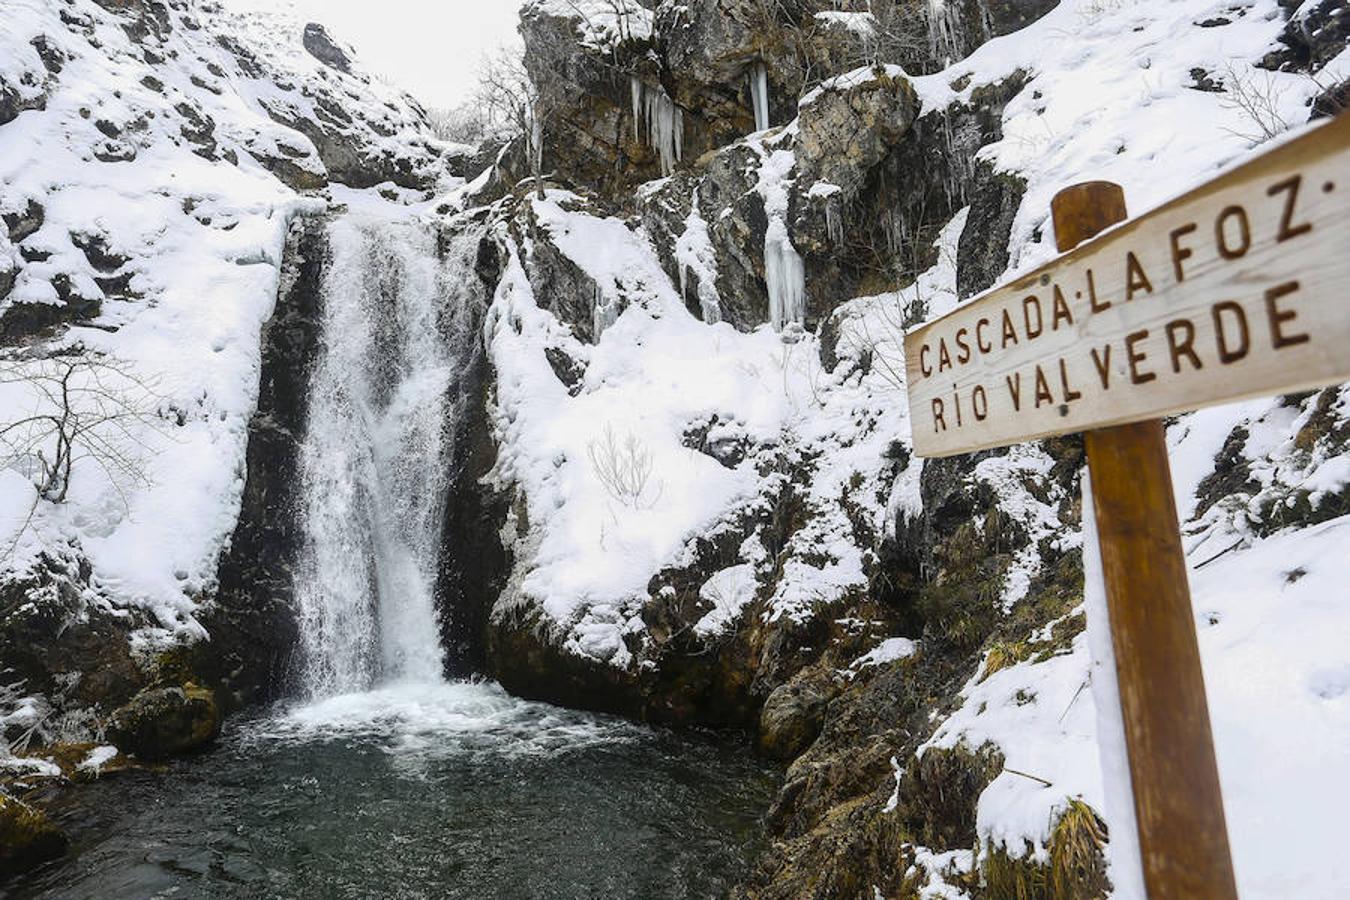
664, 120
831, 196
759, 95
946, 31
784, 273
784, 276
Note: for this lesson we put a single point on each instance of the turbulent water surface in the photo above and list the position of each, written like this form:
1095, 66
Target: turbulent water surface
455, 790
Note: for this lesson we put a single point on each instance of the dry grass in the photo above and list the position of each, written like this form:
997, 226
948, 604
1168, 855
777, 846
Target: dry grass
1076, 868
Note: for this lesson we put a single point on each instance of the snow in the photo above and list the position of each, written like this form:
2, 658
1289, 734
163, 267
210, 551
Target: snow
1106, 104
97, 759
863, 24
729, 591
601, 24
652, 373
888, 651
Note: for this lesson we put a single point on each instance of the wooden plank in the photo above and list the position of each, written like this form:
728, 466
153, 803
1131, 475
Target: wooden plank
1239, 288
1178, 804
1183, 838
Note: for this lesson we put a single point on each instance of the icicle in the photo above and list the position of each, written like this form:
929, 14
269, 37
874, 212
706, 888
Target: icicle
834, 224
784, 276
947, 33
536, 147
759, 95
945, 37
635, 85
665, 123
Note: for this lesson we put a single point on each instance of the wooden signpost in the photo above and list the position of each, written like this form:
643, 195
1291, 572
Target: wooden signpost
1239, 288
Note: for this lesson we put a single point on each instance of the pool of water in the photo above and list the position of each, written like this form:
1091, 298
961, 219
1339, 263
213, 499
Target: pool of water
454, 790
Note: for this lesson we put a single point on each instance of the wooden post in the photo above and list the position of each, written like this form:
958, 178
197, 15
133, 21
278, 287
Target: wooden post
1178, 804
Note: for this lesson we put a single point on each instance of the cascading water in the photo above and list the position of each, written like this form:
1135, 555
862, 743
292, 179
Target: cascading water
374, 463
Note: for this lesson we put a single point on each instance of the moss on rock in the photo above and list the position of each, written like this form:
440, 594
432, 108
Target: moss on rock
166, 721
27, 837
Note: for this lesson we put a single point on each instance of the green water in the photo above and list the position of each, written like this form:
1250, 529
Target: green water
434, 791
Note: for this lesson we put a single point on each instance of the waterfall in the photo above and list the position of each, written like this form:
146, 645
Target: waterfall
374, 464
759, 95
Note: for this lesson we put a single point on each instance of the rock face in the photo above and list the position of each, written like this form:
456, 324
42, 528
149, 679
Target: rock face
323, 48
251, 618
700, 58
473, 564
60, 646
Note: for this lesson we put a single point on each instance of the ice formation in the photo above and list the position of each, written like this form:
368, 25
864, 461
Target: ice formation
784, 276
759, 95
665, 122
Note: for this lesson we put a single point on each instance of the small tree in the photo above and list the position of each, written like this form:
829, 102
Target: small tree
82, 406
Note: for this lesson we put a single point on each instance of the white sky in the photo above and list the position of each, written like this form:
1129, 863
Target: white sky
431, 48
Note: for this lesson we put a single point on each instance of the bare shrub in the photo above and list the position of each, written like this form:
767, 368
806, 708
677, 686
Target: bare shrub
1255, 95
84, 406
624, 468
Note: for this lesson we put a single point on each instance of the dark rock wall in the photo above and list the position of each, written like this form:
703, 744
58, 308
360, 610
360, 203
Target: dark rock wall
474, 565
251, 618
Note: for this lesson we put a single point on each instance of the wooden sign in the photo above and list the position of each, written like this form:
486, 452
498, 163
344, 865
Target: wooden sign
1239, 288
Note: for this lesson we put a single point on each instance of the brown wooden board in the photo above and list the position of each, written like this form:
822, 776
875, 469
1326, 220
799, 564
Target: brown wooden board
1239, 288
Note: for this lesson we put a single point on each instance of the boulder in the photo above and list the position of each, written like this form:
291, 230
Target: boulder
24, 222
793, 714
166, 721
848, 126
1317, 31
